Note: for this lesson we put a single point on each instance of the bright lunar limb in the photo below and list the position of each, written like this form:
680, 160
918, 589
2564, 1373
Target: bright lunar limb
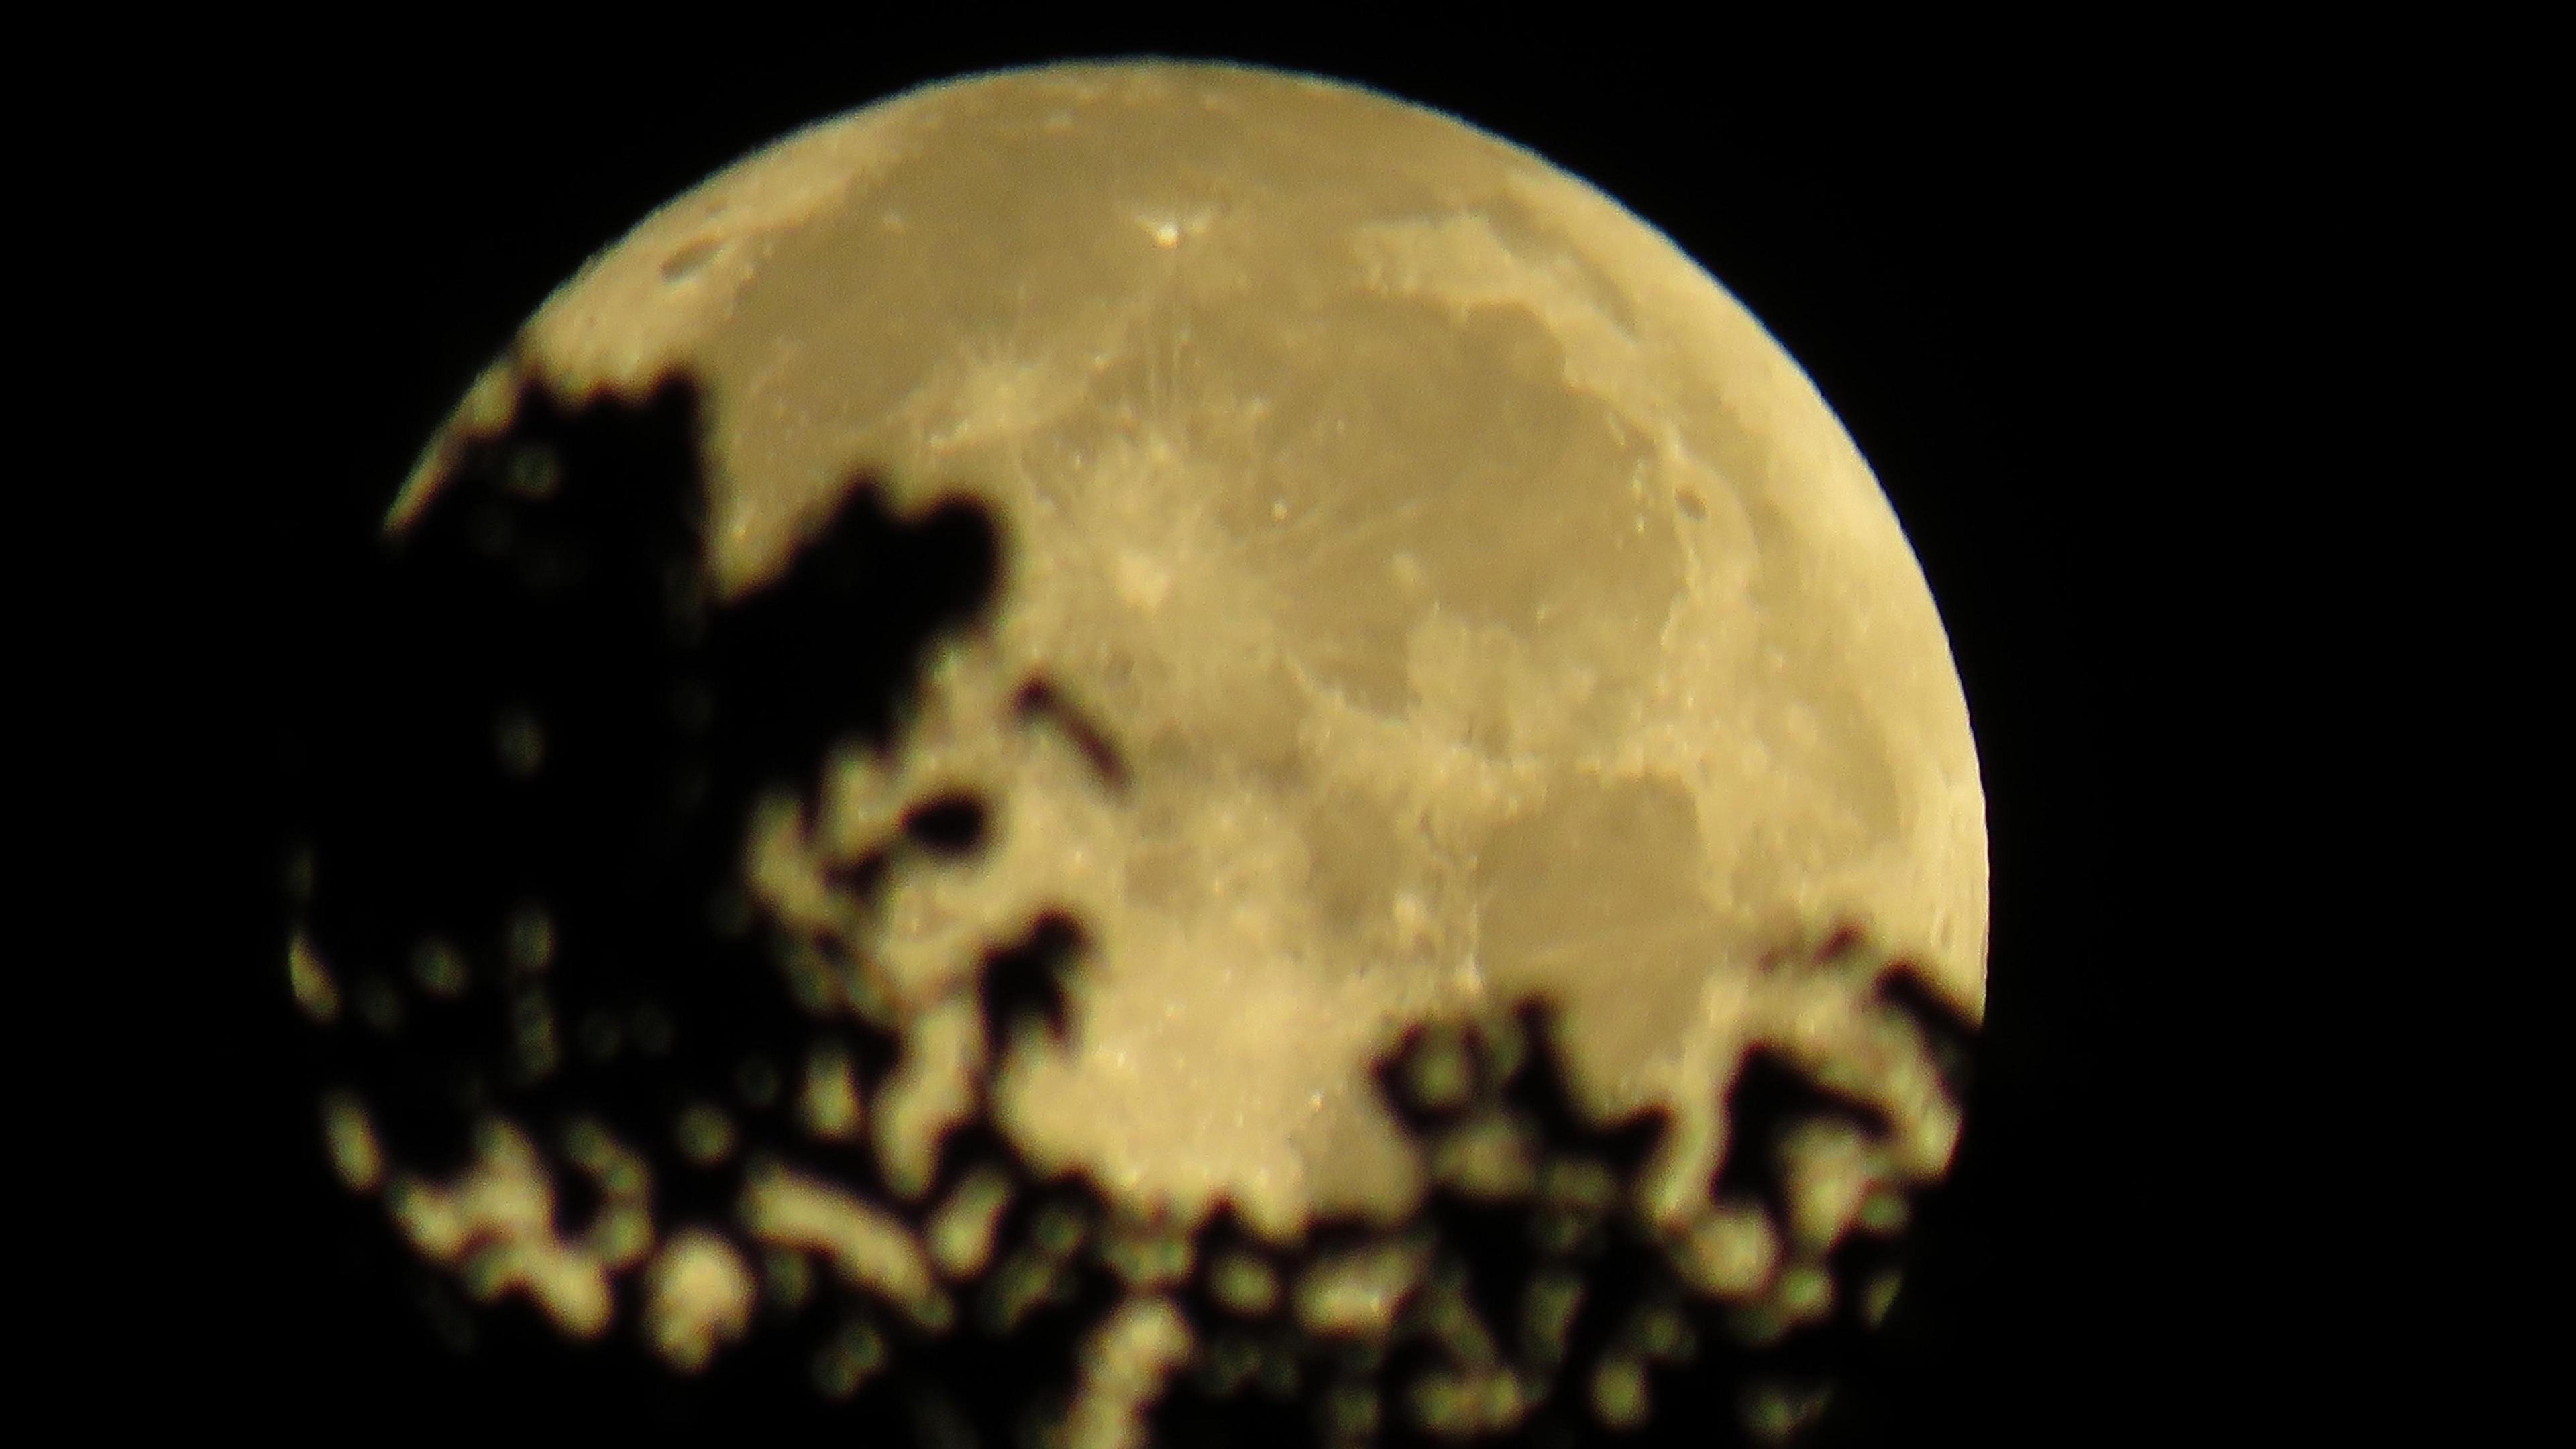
1479, 602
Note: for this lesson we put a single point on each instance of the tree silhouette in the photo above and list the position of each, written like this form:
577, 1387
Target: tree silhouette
523, 902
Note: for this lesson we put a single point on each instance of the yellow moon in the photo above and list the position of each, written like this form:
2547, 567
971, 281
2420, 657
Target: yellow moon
1483, 605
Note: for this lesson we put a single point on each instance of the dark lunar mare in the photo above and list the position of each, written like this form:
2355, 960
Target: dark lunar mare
551, 734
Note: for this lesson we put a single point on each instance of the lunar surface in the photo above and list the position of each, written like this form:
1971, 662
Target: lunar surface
1416, 591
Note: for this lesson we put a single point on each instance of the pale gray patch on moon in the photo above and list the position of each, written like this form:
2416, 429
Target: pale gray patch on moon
1484, 602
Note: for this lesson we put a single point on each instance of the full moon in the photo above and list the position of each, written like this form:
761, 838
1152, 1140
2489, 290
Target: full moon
1419, 589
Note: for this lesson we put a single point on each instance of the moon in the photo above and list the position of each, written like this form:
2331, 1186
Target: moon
1445, 592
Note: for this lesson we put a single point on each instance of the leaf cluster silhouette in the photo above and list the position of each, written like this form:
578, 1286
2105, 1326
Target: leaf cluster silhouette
524, 821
